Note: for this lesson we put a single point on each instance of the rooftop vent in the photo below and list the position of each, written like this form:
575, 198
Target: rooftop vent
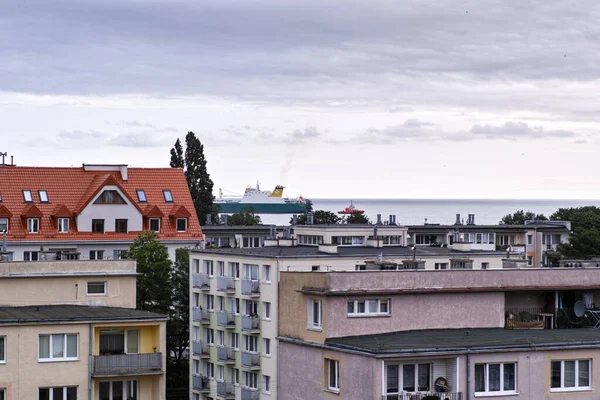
457, 222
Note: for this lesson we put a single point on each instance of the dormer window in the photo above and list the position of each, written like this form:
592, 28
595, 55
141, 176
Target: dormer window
168, 196
33, 225
43, 196
141, 195
155, 224
27, 196
3, 225
63, 225
110, 197
181, 224
0, 197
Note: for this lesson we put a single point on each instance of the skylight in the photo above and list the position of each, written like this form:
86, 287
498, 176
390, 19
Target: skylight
27, 196
141, 195
0, 197
43, 196
168, 196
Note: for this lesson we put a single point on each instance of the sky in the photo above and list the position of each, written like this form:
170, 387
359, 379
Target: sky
334, 99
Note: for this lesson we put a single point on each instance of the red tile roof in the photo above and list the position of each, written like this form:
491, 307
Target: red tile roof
70, 190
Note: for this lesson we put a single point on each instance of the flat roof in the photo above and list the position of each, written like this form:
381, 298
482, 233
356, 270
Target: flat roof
538, 226
72, 313
461, 340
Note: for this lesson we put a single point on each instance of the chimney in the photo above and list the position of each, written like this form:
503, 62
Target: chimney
471, 219
375, 233
378, 219
457, 220
208, 219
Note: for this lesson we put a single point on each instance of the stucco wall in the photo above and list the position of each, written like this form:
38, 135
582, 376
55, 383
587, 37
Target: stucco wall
302, 374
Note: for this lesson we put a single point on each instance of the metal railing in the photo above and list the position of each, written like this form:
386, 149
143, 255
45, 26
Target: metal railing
200, 281
250, 360
225, 284
226, 319
127, 363
250, 323
200, 383
225, 389
250, 394
200, 315
250, 288
225, 354
424, 396
524, 317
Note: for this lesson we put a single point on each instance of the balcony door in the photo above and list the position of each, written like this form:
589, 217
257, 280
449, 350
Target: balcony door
251, 272
118, 390
119, 341
408, 378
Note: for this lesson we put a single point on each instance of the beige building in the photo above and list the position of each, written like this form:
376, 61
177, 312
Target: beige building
69, 330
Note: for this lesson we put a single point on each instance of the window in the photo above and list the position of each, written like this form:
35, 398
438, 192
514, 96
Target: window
314, 314
181, 224
220, 373
529, 239
234, 270
0, 197
266, 384
119, 254
30, 255
121, 225
408, 378
168, 196
155, 224
570, 375
2, 350
3, 225
251, 272
209, 370
209, 335
63, 225
43, 196
267, 273
27, 197
266, 347
98, 226
110, 197
235, 305
529, 260
368, 307
333, 374
60, 347
96, 254
250, 343
478, 238
2, 394
58, 393
266, 310
251, 380
221, 303
234, 340
496, 378
221, 268
220, 338
236, 376
251, 307
118, 390
196, 367
119, 341
441, 265
141, 195
33, 225
96, 288
209, 302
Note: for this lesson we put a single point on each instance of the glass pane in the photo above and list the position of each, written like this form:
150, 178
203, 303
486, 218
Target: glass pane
555, 379
316, 312
569, 374
361, 307
44, 394
57, 393
58, 344
131, 390
424, 377
44, 346
383, 306
132, 341
72, 393
408, 378
479, 377
373, 306
332, 374
584, 373
494, 377
72, 346
117, 390
104, 390
509, 376
392, 379
350, 307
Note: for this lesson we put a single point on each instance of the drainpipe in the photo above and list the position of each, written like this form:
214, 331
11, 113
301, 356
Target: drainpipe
278, 378
468, 377
91, 340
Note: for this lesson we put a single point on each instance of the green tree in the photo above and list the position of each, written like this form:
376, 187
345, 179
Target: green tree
154, 290
246, 217
519, 217
580, 217
198, 179
178, 332
320, 217
584, 239
177, 160
357, 218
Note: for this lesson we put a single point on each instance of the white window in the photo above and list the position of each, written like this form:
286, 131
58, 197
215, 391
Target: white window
234, 270
58, 393
266, 310
61, 347
408, 378
155, 224
251, 307
33, 225
119, 341
251, 272
96, 288
267, 273
485, 265
570, 375
441, 266
266, 347
251, 343
168, 196
234, 340
220, 373
529, 260
209, 370
478, 238
96, 254
251, 380
235, 305
196, 367
2, 350
181, 224
368, 307
266, 384
27, 197
30, 256
116, 390
63, 225
221, 303
3, 225
529, 239
196, 333
220, 268
236, 376
314, 314
220, 338
209, 302
496, 378
43, 196
141, 195
209, 335
333, 374
208, 267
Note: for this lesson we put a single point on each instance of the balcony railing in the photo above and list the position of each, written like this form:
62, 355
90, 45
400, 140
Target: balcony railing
250, 360
250, 323
226, 390
250, 394
200, 383
128, 364
524, 318
225, 354
200, 315
225, 284
200, 281
201, 349
424, 396
250, 288
226, 319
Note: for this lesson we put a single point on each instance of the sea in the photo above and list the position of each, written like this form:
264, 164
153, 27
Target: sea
436, 211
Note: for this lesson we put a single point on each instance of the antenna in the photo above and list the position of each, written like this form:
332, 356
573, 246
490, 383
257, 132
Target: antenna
4, 155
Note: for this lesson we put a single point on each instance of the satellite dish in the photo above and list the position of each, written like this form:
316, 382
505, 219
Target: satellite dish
579, 309
441, 385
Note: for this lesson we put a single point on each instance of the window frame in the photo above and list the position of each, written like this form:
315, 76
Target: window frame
102, 198
150, 224
125, 384
64, 390
266, 384
45, 199
27, 196
7, 222
486, 377
118, 225
250, 339
33, 223
96, 222
104, 285
3, 349
168, 198
575, 388
51, 358
98, 255
333, 366
142, 198
266, 273
266, 310
367, 313
177, 224
311, 324
234, 339
266, 347
60, 224
253, 381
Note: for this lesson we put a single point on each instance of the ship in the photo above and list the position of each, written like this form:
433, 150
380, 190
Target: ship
261, 202
351, 210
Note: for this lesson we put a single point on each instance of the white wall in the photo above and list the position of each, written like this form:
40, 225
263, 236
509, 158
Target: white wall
109, 213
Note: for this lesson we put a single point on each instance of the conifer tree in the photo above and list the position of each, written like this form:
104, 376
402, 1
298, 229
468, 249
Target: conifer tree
177, 156
198, 178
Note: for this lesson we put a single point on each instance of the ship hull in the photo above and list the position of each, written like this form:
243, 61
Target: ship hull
262, 208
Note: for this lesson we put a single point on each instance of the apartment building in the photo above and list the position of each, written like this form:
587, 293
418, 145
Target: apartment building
457, 335
93, 212
69, 330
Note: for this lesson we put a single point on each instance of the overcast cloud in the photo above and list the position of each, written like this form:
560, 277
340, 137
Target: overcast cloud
291, 89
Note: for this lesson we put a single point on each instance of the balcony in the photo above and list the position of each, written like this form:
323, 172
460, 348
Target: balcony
250, 360
128, 364
250, 288
201, 281
201, 349
225, 390
200, 383
226, 284
200, 315
250, 394
251, 324
226, 354
226, 319
424, 396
